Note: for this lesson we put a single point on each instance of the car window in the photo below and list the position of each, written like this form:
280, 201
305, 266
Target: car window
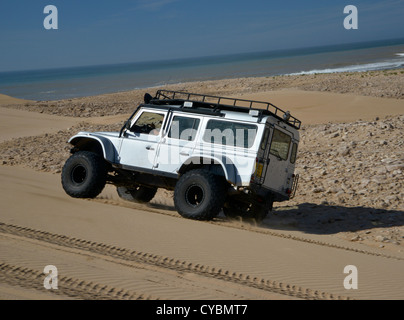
265, 139
230, 133
280, 144
294, 153
148, 123
183, 128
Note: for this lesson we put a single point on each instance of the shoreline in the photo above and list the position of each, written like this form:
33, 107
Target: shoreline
313, 99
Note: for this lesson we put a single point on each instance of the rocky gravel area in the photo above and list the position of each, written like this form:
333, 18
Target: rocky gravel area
351, 182
386, 84
360, 163
46, 152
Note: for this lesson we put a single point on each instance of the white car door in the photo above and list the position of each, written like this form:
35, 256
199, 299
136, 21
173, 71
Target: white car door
139, 143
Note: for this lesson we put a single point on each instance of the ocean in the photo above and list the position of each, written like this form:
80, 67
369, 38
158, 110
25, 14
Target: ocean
67, 83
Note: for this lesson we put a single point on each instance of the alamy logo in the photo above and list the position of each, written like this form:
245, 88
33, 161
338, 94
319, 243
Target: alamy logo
51, 20
51, 280
351, 280
351, 21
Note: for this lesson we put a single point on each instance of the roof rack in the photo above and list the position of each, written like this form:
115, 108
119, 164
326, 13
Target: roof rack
216, 103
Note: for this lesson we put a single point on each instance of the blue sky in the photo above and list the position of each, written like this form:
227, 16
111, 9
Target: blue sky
106, 32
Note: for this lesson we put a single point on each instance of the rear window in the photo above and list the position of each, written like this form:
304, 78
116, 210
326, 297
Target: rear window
280, 144
230, 133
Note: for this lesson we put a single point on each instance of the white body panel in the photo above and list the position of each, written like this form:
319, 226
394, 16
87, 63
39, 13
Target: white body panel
166, 154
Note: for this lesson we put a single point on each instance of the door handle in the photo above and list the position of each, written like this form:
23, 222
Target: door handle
184, 153
149, 148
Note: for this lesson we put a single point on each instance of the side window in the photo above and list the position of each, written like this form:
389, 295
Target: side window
264, 139
148, 123
294, 153
183, 128
280, 144
230, 133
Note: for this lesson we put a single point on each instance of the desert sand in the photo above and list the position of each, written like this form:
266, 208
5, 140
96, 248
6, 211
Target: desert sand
348, 209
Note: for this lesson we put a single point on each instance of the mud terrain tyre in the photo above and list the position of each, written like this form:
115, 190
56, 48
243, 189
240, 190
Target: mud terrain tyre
234, 208
84, 175
199, 195
140, 194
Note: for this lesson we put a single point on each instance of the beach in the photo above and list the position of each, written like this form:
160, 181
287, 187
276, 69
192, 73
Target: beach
348, 209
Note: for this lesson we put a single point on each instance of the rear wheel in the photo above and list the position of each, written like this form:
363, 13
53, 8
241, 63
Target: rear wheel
234, 208
199, 195
139, 194
84, 175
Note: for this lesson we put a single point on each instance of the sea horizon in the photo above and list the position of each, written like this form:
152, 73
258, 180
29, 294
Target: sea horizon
80, 81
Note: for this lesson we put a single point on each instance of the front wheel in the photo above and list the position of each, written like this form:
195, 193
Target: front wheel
84, 175
199, 195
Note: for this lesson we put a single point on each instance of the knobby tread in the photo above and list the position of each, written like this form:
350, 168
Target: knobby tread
216, 189
96, 185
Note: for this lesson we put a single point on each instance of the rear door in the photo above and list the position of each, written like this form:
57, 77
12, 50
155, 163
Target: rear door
277, 157
274, 159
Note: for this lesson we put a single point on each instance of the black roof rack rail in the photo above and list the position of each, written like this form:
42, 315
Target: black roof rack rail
168, 97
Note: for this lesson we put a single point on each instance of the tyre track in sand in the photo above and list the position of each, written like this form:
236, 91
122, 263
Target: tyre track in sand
248, 227
88, 290
67, 286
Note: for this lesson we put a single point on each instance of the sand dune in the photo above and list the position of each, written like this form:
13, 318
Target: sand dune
108, 249
322, 107
6, 100
20, 123
244, 252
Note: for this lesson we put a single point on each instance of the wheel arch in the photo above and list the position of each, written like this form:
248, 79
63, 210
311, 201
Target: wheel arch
221, 165
99, 145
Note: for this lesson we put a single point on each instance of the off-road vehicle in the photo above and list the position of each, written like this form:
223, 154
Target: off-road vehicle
214, 152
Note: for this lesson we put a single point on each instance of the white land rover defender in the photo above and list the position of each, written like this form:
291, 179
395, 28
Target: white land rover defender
214, 152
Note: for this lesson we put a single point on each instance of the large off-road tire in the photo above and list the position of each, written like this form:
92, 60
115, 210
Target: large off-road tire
84, 175
199, 195
235, 209
140, 194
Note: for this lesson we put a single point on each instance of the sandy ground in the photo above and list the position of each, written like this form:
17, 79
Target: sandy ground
110, 249
322, 107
